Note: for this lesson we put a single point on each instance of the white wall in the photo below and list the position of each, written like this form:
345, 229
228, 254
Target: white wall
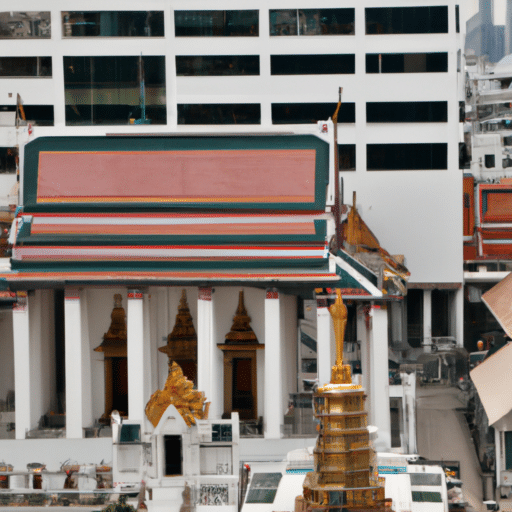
289, 326
6, 353
100, 302
43, 396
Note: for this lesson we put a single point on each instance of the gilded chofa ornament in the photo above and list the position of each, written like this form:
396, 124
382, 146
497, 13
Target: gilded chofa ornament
180, 392
345, 475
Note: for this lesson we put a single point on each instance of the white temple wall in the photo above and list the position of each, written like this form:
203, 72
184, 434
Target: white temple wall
43, 396
100, 302
6, 353
289, 347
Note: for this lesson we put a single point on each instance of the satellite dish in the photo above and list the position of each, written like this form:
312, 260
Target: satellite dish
116, 417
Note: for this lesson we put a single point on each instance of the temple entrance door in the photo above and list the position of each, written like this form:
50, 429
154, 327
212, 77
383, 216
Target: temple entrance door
119, 385
116, 363
240, 381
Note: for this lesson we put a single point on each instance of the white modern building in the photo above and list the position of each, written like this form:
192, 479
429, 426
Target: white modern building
98, 87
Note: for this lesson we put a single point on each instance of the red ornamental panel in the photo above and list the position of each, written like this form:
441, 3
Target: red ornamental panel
21, 303
272, 294
135, 294
72, 294
233, 176
205, 293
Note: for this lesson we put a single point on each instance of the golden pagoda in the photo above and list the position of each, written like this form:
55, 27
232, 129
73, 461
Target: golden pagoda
345, 475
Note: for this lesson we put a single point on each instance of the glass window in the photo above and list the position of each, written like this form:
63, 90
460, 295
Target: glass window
397, 421
113, 23
219, 113
311, 22
26, 67
217, 65
8, 160
426, 479
263, 487
457, 19
115, 90
425, 496
407, 62
490, 161
216, 23
401, 157
407, 112
130, 434
337, 64
37, 115
407, 20
347, 157
25, 25
304, 113
508, 449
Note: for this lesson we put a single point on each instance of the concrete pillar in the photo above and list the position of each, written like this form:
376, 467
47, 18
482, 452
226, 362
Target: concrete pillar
209, 358
427, 320
363, 326
78, 364
137, 356
380, 377
274, 413
458, 313
22, 365
326, 349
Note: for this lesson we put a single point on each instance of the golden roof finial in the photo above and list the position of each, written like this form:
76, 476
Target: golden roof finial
340, 373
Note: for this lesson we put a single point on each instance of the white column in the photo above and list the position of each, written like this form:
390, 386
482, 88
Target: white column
380, 377
427, 320
209, 378
274, 412
324, 342
459, 317
363, 323
22, 365
137, 357
77, 403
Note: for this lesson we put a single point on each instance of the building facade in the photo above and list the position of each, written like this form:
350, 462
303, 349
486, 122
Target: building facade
91, 74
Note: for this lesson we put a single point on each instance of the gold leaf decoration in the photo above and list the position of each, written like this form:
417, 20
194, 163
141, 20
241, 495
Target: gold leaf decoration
180, 392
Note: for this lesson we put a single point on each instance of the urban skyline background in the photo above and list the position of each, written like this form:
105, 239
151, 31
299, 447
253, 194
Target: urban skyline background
500, 8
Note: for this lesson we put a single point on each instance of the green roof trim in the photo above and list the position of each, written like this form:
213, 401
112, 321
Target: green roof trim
364, 271
199, 143
346, 280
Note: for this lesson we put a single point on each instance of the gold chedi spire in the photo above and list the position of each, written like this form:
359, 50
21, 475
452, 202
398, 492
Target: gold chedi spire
345, 475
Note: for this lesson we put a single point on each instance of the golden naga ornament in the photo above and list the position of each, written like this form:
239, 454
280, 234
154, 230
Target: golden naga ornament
180, 392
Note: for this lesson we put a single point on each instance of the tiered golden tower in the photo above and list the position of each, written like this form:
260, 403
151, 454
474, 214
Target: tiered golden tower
345, 476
